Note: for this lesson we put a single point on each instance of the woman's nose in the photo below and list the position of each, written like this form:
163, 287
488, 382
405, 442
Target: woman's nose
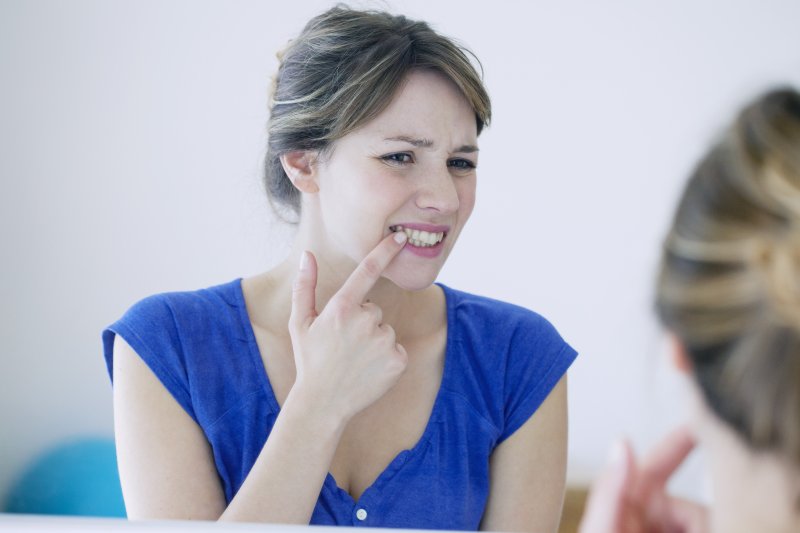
438, 192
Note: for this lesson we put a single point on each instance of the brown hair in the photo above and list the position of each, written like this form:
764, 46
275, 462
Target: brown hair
342, 71
729, 284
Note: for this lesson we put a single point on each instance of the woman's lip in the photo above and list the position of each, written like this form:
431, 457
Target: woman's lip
428, 252
430, 228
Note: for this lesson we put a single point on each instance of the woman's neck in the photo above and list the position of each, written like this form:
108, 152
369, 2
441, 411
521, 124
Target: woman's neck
752, 491
333, 272
410, 313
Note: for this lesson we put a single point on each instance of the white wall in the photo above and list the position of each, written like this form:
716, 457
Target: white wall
132, 134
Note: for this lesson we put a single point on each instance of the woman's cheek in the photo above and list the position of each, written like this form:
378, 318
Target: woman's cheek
466, 198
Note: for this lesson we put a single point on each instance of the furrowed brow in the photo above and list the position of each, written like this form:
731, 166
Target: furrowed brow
418, 143
427, 143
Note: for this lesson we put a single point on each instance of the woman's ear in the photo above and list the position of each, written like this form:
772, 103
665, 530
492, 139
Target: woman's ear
680, 357
300, 167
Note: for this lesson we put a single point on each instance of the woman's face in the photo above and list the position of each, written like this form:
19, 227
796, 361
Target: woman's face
410, 169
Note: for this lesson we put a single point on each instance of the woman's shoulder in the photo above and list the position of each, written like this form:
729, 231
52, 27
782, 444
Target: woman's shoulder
191, 302
487, 323
178, 321
512, 357
492, 314
193, 341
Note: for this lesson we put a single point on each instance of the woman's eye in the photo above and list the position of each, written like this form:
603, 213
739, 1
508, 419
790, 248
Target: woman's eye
398, 159
461, 164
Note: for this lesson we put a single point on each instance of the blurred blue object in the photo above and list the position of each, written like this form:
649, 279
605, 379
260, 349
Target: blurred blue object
78, 477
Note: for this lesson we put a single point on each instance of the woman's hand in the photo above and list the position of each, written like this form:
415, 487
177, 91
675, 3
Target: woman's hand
631, 497
346, 358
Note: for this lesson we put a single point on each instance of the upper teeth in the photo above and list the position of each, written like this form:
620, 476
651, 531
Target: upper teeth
420, 238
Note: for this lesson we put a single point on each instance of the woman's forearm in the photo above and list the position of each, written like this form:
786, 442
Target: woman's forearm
284, 484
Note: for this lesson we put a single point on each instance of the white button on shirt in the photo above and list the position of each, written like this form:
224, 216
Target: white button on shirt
361, 514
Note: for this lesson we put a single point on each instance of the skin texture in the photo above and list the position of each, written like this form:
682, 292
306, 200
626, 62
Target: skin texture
355, 337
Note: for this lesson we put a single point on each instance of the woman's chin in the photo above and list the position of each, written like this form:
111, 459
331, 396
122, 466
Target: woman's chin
410, 281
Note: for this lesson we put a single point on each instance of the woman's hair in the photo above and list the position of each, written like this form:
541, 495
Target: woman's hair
343, 70
729, 284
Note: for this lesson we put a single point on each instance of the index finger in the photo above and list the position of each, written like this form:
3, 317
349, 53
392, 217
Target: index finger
659, 465
370, 269
607, 508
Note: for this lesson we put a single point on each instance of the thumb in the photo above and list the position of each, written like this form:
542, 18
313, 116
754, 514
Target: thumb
606, 509
303, 292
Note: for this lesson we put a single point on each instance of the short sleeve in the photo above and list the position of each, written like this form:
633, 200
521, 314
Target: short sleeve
149, 327
538, 358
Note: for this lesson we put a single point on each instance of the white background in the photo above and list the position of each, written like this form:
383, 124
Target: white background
132, 136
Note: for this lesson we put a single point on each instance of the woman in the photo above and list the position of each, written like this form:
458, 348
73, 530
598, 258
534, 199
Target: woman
729, 292
351, 389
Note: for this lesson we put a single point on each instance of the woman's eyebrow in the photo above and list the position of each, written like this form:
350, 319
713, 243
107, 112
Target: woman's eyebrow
467, 148
427, 143
418, 143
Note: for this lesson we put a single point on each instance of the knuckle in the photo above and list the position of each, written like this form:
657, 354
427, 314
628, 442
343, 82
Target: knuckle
389, 333
294, 327
371, 267
298, 285
373, 311
341, 300
339, 310
401, 352
399, 359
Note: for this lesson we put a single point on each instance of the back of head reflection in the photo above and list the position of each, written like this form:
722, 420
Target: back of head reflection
728, 290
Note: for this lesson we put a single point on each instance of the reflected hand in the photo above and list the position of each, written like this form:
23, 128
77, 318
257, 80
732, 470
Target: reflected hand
632, 498
346, 358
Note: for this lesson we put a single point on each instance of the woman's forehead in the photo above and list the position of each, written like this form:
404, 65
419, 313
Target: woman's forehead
427, 110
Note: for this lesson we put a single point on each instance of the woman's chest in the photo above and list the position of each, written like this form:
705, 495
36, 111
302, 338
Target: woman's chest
393, 424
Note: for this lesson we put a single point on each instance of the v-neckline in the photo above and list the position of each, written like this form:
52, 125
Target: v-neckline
403, 456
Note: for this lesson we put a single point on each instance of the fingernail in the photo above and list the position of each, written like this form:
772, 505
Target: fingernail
304, 261
400, 237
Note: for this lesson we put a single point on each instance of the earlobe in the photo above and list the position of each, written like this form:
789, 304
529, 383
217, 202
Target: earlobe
680, 358
300, 167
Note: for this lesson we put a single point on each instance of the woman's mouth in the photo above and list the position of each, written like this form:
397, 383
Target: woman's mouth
423, 240
420, 238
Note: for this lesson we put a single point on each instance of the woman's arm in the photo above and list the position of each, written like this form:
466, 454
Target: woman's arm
528, 471
345, 358
165, 463
167, 468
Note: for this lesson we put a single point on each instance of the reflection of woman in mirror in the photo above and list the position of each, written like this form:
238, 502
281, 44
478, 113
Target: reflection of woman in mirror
351, 389
729, 292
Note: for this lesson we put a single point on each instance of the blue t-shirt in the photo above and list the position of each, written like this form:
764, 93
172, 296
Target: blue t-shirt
501, 362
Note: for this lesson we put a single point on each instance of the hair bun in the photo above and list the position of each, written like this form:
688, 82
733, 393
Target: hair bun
779, 263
